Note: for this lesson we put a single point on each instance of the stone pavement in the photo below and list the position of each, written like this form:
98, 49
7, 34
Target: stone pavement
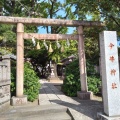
80, 109
54, 105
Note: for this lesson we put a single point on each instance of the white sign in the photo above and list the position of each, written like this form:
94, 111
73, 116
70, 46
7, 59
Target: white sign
110, 73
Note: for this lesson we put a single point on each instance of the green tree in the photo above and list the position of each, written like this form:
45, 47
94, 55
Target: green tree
8, 32
104, 10
97, 10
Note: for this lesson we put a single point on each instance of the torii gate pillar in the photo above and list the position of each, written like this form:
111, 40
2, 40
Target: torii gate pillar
83, 94
20, 60
20, 98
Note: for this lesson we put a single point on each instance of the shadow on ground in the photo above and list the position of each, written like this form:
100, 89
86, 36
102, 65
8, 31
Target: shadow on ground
80, 109
85, 108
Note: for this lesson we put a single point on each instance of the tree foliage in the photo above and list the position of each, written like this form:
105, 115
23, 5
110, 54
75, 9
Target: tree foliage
104, 10
96, 10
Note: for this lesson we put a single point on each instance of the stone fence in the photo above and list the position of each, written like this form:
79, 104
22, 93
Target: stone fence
5, 80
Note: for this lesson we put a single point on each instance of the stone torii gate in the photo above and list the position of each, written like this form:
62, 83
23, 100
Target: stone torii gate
20, 21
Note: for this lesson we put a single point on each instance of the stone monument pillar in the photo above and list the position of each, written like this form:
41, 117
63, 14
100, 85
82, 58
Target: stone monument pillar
84, 93
110, 76
20, 98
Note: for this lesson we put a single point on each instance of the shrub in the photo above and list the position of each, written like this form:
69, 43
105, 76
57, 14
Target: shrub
93, 83
31, 82
71, 82
13, 78
13, 81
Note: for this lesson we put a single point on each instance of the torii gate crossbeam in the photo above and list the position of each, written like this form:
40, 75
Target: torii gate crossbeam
49, 22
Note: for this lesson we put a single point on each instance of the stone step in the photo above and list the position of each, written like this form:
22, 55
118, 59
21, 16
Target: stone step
45, 112
49, 116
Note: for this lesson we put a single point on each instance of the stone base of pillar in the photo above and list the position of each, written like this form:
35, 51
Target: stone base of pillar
101, 116
18, 101
85, 95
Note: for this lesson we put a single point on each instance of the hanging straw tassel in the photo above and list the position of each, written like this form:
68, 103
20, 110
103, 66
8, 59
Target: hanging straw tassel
50, 48
45, 44
38, 46
62, 48
33, 40
68, 43
58, 44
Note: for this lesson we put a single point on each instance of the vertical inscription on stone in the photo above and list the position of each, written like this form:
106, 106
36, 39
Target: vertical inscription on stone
113, 72
111, 45
110, 73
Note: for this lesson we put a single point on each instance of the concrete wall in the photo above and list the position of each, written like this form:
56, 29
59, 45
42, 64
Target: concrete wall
5, 80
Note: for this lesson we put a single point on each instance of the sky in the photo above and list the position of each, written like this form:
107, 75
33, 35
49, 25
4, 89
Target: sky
60, 12
43, 31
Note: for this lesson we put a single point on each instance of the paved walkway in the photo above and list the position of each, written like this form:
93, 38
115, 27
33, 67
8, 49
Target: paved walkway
80, 109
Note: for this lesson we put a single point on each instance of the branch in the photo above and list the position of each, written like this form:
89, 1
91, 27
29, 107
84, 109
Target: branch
67, 13
51, 10
59, 29
47, 29
118, 3
55, 29
56, 10
51, 14
114, 20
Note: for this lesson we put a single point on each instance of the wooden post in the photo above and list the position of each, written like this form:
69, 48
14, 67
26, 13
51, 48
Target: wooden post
83, 94
20, 60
